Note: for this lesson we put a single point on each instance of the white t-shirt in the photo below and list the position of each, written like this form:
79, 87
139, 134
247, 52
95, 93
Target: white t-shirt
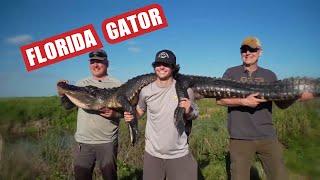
162, 138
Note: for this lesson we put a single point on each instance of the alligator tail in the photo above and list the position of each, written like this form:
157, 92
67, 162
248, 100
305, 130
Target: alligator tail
286, 89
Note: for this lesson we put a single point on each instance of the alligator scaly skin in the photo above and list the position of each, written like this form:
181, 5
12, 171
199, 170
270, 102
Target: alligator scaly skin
128, 94
286, 89
125, 97
121, 99
209, 87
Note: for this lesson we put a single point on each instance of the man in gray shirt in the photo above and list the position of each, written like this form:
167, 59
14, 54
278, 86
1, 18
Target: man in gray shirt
167, 152
97, 132
250, 119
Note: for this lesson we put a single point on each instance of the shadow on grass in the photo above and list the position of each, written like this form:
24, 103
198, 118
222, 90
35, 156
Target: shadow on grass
201, 165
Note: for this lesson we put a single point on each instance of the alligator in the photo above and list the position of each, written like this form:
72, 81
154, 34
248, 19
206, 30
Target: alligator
125, 97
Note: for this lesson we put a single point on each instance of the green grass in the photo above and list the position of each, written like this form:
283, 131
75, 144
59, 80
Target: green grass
25, 111
38, 136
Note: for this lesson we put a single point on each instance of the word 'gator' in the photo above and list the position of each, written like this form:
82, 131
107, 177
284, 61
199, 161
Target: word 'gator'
125, 97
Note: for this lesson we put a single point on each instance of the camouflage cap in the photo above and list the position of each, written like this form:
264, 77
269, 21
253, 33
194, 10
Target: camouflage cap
251, 41
98, 54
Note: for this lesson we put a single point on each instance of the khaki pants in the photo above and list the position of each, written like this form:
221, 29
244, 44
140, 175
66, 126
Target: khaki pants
242, 153
183, 168
87, 155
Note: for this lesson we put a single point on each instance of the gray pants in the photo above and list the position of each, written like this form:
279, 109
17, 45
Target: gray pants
184, 168
242, 153
86, 156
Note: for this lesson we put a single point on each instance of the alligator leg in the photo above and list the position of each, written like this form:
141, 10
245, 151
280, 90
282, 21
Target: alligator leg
180, 123
133, 125
134, 132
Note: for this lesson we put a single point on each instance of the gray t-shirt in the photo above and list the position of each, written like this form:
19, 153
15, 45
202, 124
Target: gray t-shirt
93, 128
246, 122
162, 139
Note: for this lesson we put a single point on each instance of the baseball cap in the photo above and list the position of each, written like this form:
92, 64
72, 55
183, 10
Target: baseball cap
165, 56
99, 54
252, 42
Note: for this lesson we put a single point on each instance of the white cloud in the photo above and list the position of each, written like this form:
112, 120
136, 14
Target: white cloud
134, 49
19, 39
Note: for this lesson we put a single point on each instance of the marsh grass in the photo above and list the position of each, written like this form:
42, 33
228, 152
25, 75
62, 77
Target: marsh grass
38, 136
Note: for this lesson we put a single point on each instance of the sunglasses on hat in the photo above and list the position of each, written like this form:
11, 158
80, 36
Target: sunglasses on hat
92, 61
246, 48
97, 54
157, 64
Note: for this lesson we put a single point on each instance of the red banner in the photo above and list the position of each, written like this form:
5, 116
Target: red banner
134, 23
60, 47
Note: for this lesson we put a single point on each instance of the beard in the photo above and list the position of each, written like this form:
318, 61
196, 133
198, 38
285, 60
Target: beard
165, 76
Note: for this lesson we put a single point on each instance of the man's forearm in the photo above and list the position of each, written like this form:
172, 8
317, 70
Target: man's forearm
230, 102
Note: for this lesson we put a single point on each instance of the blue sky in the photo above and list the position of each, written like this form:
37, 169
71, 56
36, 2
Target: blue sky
205, 36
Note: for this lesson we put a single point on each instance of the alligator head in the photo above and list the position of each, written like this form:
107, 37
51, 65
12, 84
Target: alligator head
84, 97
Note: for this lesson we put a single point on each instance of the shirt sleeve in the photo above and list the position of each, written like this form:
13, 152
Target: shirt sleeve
273, 77
194, 107
226, 74
80, 83
118, 83
142, 102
